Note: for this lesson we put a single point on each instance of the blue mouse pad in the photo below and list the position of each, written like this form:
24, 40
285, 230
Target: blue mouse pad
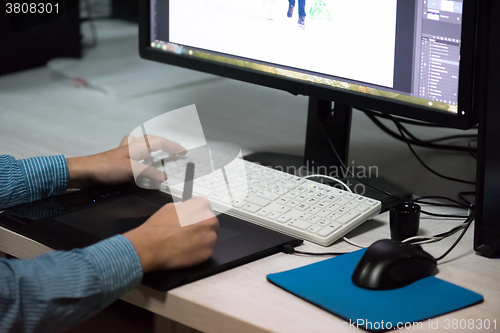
328, 285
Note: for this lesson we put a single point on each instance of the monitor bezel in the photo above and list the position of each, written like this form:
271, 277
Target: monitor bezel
466, 102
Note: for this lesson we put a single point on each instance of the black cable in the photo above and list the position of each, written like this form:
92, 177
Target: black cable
448, 233
462, 195
458, 203
349, 171
452, 137
404, 120
441, 215
407, 121
417, 142
438, 204
443, 138
383, 191
469, 222
425, 165
289, 249
471, 150
369, 185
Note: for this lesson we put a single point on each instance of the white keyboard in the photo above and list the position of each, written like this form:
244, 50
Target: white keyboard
277, 200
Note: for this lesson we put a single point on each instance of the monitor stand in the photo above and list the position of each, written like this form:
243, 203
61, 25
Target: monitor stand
320, 158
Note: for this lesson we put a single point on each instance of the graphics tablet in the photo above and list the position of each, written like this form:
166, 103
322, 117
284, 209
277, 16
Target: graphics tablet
85, 217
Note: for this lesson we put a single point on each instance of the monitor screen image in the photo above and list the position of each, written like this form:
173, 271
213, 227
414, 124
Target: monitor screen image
402, 51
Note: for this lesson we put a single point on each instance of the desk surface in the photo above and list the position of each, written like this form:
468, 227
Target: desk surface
43, 117
241, 299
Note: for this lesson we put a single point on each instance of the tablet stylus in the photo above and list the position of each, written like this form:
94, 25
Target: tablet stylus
188, 182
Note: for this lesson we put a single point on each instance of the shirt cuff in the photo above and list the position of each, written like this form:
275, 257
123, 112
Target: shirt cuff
118, 266
45, 176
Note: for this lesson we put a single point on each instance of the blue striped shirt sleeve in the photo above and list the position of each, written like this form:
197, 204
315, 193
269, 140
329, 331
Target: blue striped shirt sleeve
58, 290
31, 179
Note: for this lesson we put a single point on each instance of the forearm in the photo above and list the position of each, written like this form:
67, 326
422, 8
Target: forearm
79, 175
31, 179
58, 290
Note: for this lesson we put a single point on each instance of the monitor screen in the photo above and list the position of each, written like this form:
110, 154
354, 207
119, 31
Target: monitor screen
408, 52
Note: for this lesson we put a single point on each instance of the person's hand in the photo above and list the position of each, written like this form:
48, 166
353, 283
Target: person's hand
115, 166
162, 243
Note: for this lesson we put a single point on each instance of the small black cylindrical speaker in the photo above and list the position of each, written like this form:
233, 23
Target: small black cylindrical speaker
404, 220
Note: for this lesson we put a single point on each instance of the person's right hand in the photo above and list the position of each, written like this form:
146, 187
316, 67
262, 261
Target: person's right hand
162, 243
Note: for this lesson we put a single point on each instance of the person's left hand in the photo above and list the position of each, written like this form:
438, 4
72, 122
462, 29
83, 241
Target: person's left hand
115, 166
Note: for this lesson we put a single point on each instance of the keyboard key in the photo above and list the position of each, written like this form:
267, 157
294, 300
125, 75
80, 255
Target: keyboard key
333, 207
313, 219
301, 197
342, 210
339, 193
304, 216
312, 185
302, 207
311, 201
283, 209
329, 229
221, 188
342, 202
257, 200
313, 210
292, 203
294, 214
324, 222
320, 195
282, 201
370, 202
286, 184
203, 191
301, 188
264, 212
332, 198
226, 200
298, 180
283, 219
299, 224
314, 229
215, 196
251, 208
362, 208
279, 190
323, 204
333, 216
171, 180
211, 185
323, 213
350, 196
360, 199
238, 203
348, 217
273, 216
352, 205
267, 195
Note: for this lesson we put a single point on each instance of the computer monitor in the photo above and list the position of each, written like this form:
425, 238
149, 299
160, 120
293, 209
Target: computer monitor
411, 58
420, 59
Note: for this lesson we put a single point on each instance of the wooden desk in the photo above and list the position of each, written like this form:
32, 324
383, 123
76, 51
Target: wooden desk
241, 299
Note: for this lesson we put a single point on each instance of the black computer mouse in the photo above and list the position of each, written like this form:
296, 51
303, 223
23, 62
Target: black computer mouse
389, 264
